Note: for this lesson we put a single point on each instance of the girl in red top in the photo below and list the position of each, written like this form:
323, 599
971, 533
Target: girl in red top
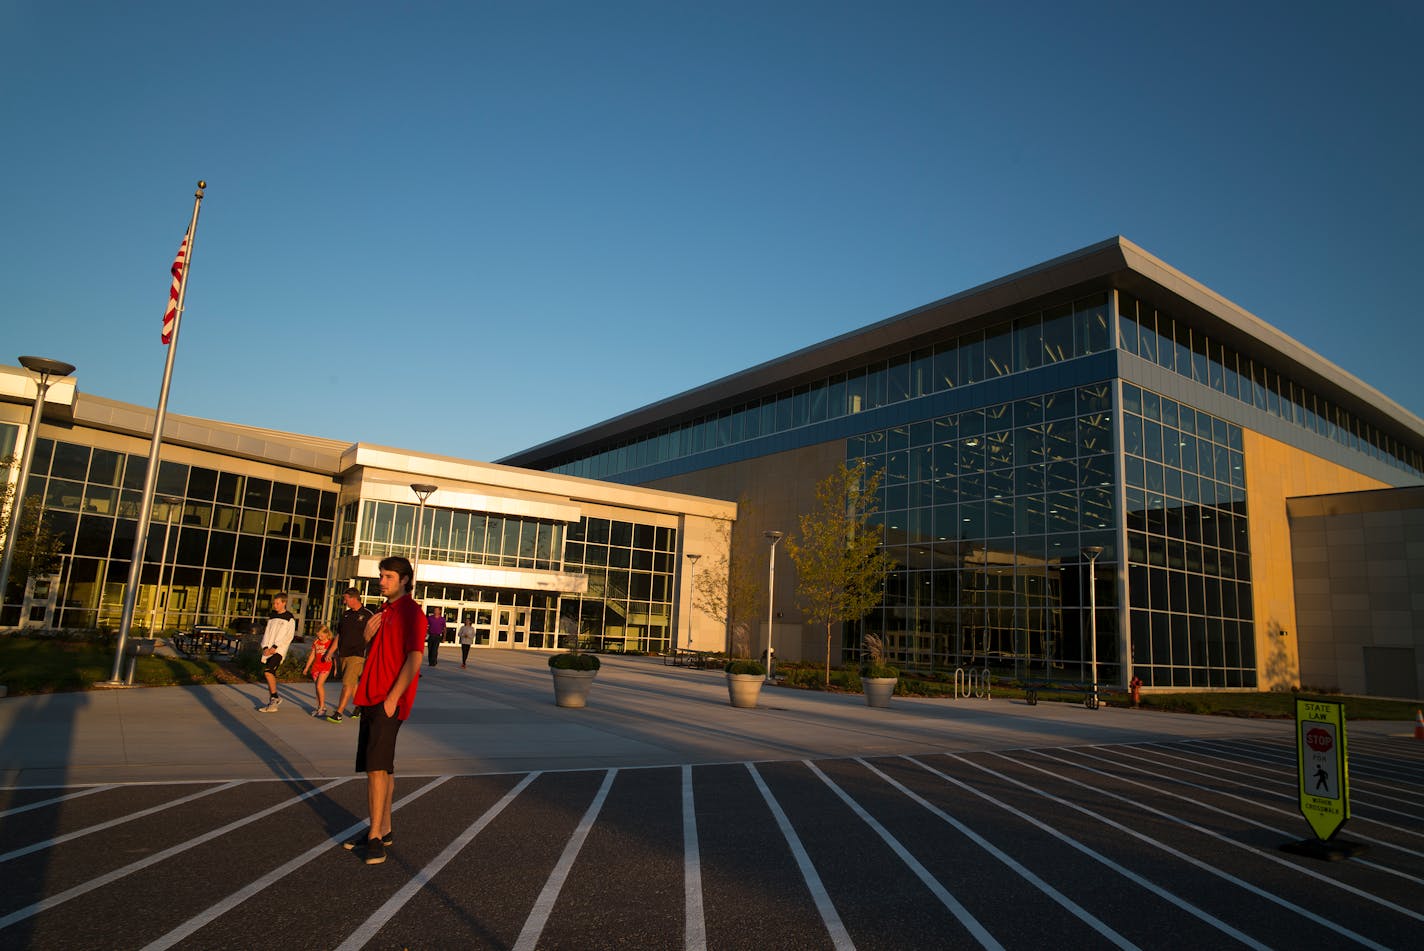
319, 663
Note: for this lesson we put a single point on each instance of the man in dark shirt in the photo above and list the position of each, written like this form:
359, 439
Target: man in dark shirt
351, 648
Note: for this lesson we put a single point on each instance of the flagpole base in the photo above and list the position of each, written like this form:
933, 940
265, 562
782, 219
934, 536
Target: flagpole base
1327, 850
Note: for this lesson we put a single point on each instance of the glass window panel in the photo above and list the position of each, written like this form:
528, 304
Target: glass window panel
1028, 342
875, 385
1057, 334
946, 365
106, 467
971, 358
284, 497
999, 350
1090, 317
70, 462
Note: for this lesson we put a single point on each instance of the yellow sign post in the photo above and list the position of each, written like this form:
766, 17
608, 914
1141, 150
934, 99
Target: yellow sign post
1323, 778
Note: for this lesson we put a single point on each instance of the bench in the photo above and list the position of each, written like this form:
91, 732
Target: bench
1033, 688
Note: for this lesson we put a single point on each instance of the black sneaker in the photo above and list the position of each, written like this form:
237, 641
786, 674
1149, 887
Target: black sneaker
335, 717
375, 852
364, 836
355, 713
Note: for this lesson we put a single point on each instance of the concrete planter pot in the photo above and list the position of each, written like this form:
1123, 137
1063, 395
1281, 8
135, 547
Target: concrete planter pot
878, 690
571, 687
744, 689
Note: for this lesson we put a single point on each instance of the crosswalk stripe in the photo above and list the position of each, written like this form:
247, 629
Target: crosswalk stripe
695, 933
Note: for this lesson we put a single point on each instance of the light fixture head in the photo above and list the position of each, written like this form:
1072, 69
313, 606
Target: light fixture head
693, 557
1091, 552
423, 490
774, 536
47, 366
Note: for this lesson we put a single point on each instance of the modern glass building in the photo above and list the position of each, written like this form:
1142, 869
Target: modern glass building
533, 560
1099, 400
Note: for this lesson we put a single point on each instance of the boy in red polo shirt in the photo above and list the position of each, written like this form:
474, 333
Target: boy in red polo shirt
395, 639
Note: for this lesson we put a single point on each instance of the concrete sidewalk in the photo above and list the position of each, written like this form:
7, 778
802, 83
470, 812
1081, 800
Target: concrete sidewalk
499, 716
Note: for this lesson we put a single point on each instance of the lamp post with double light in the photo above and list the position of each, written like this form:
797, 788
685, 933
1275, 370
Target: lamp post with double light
691, 597
46, 369
1091, 552
771, 601
423, 491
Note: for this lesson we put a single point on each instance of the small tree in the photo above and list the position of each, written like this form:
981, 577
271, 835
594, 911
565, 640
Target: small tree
37, 549
730, 589
840, 566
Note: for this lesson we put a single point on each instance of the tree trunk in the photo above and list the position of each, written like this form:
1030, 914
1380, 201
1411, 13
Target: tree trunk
828, 654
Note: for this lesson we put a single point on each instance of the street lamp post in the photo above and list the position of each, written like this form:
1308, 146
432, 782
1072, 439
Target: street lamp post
170, 501
423, 491
771, 601
691, 597
46, 368
1091, 552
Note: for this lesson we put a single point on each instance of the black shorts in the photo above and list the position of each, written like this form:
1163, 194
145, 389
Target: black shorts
271, 663
376, 746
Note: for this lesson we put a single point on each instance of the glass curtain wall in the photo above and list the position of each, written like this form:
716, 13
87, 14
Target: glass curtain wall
219, 544
1188, 548
1038, 339
986, 513
631, 586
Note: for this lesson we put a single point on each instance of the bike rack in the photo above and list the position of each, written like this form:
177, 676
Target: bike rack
972, 682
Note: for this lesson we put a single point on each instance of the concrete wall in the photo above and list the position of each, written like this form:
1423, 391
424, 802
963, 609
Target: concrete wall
782, 486
1358, 560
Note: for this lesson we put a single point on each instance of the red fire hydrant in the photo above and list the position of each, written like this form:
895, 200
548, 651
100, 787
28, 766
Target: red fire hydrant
1135, 684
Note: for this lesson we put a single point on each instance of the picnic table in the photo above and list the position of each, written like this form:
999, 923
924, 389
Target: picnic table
686, 657
207, 639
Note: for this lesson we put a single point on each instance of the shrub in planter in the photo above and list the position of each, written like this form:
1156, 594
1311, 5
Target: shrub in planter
572, 661
573, 677
878, 679
744, 680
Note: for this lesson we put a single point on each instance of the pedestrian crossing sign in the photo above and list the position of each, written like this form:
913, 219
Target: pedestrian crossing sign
1322, 765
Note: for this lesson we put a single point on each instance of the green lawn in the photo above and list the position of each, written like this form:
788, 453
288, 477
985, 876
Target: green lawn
811, 677
47, 664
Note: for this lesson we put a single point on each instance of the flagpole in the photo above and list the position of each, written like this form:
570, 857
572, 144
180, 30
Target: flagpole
150, 480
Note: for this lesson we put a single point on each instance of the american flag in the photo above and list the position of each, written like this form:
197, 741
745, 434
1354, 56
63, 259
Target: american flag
170, 315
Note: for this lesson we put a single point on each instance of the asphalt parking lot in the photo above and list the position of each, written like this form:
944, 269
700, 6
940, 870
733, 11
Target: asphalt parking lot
660, 817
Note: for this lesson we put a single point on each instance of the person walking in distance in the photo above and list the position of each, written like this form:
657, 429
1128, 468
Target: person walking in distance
351, 649
466, 637
435, 633
385, 694
276, 638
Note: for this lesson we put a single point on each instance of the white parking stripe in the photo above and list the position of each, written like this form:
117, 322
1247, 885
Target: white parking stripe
1073, 907
1221, 837
695, 935
68, 836
57, 799
210, 915
840, 938
965, 916
373, 924
47, 903
1116, 867
1177, 853
1254, 803
544, 904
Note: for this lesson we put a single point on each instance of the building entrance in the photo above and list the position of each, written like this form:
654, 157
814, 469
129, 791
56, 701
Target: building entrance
496, 625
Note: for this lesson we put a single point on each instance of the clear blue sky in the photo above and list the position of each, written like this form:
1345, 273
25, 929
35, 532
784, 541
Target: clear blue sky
467, 228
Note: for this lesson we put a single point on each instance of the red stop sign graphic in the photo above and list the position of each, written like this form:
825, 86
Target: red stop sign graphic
1318, 739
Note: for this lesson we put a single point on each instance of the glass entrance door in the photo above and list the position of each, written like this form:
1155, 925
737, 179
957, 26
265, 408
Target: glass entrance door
511, 627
